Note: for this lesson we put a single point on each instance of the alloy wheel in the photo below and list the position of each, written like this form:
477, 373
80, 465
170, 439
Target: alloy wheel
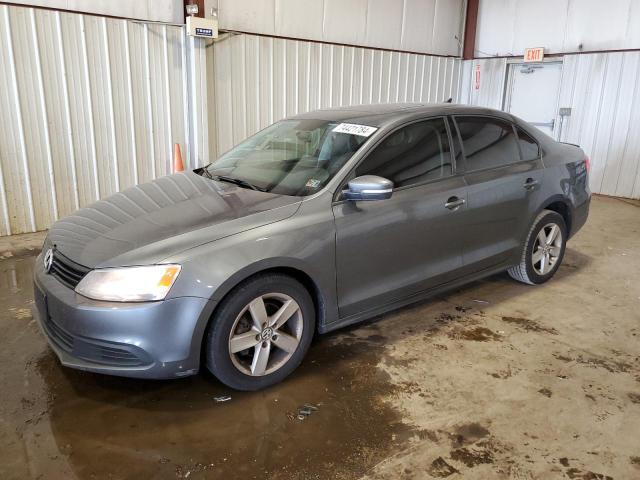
546, 248
265, 334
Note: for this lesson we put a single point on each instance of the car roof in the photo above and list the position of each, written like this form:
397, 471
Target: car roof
381, 114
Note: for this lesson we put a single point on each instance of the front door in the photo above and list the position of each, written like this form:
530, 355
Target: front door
532, 94
387, 250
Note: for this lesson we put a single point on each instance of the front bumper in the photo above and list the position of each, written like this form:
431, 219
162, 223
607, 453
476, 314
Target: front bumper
143, 340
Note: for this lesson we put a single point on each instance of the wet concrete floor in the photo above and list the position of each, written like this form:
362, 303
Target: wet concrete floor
496, 380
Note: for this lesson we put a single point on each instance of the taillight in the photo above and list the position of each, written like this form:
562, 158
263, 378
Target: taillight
587, 163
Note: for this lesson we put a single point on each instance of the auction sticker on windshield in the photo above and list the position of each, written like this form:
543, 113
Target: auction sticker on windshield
355, 129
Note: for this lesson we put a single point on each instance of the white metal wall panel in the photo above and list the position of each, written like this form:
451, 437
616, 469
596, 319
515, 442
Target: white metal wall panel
287, 18
387, 25
603, 92
490, 91
423, 26
199, 95
258, 80
507, 27
88, 106
344, 21
448, 25
99, 97
154, 10
418, 22
12, 171
605, 119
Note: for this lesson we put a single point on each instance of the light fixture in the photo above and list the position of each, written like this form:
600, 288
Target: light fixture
192, 9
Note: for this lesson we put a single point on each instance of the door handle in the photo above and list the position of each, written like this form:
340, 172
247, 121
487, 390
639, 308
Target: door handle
453, 203
530, 184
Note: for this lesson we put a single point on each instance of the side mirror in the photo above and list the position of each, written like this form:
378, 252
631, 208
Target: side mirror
368, 187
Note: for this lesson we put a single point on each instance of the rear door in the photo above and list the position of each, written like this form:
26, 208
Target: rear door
388, 250
503, 178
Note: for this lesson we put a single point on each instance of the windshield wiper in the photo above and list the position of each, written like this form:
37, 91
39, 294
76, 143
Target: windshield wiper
206, 173
237, 181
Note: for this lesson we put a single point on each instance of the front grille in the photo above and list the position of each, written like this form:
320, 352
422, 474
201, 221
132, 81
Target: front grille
67, 271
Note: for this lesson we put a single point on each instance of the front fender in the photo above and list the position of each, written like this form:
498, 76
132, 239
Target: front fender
304, 243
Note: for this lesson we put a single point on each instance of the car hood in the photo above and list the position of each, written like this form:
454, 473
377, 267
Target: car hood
147, 223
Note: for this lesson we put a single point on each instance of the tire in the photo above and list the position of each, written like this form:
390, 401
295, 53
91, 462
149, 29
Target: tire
249, 316
531, 270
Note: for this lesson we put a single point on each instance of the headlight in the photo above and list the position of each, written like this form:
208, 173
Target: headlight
129, 284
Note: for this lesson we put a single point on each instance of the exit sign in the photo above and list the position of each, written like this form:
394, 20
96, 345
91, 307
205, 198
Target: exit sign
533, 54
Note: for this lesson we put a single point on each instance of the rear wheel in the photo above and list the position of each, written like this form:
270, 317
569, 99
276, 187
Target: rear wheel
261, 332
543, 249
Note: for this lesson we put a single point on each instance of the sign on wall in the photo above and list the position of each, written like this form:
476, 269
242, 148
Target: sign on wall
202, 27
476, 77
533, 54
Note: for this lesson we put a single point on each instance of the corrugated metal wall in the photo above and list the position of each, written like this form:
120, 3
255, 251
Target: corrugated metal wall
88, 106
257, 80
491, 85
603, 91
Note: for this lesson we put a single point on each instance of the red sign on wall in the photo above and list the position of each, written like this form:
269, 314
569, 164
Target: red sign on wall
533, 54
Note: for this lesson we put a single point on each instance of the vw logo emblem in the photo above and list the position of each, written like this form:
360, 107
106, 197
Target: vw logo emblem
48, 260
267, 333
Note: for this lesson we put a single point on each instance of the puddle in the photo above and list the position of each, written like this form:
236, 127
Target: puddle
611, 365
578, 474
529, 325
546, 392
124, 428
477, 334
439, 468
470, 433
471, 457
178, 426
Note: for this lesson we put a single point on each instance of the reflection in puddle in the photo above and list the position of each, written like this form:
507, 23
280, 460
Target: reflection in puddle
108, 426
158, 426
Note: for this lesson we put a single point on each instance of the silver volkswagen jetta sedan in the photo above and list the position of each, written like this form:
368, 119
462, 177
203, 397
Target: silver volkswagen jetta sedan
316, 222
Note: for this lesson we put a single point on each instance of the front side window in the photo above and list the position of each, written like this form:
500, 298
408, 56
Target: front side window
416, 153
487, 142
528, 146
291, 157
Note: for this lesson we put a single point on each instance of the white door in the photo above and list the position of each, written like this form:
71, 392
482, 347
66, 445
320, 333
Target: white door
532, 94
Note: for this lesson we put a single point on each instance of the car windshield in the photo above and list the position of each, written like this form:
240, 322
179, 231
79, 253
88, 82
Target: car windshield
291, 157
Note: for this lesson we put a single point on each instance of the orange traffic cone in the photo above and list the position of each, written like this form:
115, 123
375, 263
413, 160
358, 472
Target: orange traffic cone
178, 165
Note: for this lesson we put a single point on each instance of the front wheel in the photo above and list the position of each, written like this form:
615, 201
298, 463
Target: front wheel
543, 249
261, 332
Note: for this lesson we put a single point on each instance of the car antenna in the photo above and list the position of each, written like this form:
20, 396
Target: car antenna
449, 101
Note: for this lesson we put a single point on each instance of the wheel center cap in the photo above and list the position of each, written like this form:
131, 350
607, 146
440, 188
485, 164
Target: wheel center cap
266, 334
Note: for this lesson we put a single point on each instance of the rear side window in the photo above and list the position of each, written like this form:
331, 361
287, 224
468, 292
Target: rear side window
413, 154
487, 142
529, 148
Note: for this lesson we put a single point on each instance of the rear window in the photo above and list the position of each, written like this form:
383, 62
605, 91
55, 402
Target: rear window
487, 142
529, 148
